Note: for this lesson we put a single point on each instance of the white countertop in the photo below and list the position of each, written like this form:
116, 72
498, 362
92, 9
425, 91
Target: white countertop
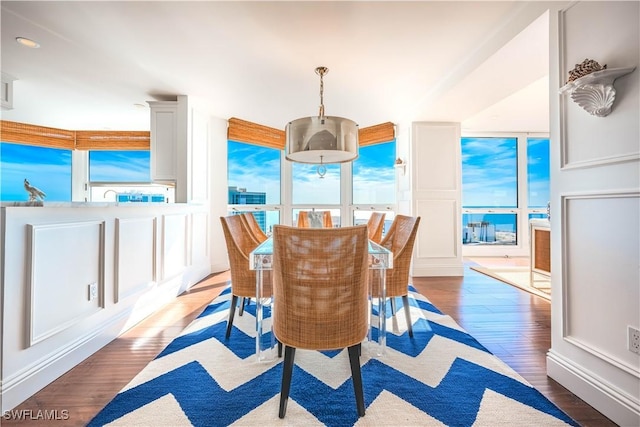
540, 222
85, 204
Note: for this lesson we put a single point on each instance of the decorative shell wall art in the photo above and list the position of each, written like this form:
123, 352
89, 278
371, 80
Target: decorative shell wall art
587, 66
591, 86
596, 99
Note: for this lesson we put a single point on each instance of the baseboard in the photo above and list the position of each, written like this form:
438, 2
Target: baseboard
219, 267
17, 388
25, 383
618, 406
437, 270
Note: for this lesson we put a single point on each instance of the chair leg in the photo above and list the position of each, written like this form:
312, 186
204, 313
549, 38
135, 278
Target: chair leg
393, 306
232, 311
245, 301
405, 303
279, 349
356, 375
287, 370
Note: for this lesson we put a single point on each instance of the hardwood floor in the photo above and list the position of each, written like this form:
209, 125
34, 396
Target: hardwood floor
511, 323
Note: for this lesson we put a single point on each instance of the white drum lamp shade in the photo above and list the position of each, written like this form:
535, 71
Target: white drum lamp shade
321, 139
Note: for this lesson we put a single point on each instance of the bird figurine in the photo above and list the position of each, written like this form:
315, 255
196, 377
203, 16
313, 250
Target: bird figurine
34, 193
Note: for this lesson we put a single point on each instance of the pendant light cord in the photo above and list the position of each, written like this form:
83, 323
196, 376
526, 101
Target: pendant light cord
321, 71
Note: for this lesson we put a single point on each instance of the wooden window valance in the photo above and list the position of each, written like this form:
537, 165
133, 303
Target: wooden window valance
384, 132
22, 133
253, 133
112, 140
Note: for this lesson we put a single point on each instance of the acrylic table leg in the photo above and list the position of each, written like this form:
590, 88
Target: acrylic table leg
265, 340
377, 347
382, 313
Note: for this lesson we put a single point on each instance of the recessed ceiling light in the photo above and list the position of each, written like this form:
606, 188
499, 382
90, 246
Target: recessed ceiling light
27, 42
140, 106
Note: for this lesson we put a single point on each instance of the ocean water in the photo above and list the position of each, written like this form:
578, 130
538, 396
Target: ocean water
503, 222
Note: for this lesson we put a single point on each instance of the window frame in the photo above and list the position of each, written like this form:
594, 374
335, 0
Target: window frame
522, 211
286, 206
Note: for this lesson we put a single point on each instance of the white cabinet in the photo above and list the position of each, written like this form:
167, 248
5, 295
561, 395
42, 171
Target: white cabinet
180, 148
164, 141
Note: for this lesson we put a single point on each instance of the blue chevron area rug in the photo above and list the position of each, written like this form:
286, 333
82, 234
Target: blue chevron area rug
441, 377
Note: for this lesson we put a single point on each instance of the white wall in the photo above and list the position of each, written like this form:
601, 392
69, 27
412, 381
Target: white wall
139, 256
595, 213
219, 194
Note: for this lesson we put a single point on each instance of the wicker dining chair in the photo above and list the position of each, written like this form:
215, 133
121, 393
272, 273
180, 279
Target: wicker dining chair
320, 296
240, 243
400, 240
255, 228
305, 222
259, 236
375, 226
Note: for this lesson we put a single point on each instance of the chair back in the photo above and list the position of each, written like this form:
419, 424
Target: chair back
400, 240
254, 227
240, 243
315, 219
375, 226
320, 286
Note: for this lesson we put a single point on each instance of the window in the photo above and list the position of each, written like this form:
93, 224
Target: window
309, 188
58, 160
124, 176
119, 166
253, 175
489, 172
312, 191
48, 169
505, 182
374, 175
374, 183
538, 175
261, 180
489, 182
256, 170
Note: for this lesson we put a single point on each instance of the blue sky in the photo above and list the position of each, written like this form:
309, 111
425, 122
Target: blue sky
48, 169
489, 172
258, 170
539, 171
121, 166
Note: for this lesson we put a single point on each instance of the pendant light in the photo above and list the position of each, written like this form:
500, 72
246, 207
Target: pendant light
321, 139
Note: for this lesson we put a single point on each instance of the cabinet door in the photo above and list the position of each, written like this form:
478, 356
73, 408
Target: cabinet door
540, 257
164, 136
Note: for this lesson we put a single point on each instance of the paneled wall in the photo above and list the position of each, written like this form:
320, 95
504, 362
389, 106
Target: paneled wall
78, 275
436, 189
595, 213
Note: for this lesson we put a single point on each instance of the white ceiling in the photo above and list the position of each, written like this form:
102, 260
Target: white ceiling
481, 63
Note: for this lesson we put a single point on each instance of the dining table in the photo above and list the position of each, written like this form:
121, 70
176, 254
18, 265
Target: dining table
261, 260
